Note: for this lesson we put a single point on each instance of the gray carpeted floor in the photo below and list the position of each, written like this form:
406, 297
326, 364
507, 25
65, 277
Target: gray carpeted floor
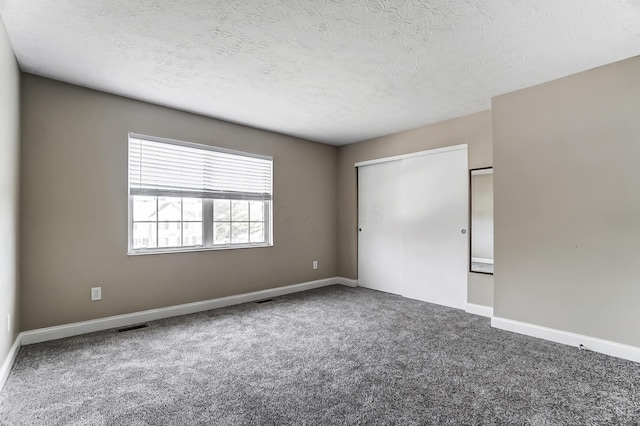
335, 355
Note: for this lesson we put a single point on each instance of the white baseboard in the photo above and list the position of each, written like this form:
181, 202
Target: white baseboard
76, 328
8, 362
347, 281
606, 347
482, 260
485, 311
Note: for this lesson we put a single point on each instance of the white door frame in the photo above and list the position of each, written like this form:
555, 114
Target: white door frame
411, 155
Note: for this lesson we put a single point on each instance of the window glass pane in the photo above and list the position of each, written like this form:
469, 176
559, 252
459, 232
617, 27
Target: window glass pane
144, 235
221, 233
221, 210
257, 211
192, 234
144, 208
239, 232
239, 210
257, 232
169, 234
169, 208
192, 176
192, 209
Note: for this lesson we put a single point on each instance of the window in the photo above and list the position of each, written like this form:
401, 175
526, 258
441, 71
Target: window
184, 196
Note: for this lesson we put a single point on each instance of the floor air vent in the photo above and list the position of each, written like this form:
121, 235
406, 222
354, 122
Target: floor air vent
264, 301
132, 327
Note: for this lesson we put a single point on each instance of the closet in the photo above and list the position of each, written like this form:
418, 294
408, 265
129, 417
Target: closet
412, 219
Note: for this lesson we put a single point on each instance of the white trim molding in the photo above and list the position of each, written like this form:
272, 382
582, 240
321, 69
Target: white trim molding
483, 171
8, 362
607, 347
413, 154
482, 260
76, 328
482, 310
347, 281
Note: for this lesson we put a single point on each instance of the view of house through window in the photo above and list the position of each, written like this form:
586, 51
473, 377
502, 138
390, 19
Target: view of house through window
166, 222
185, 196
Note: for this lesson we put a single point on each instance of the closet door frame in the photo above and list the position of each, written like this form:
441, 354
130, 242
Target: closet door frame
398, 158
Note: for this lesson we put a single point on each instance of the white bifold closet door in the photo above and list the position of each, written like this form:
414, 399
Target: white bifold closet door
413, 215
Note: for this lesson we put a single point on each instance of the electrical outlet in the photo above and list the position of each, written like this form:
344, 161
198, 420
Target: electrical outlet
8, 323
96, 293
315, 264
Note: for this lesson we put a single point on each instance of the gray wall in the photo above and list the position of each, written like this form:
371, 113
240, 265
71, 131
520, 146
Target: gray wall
567, 203
9, 151
74, 204
474, 130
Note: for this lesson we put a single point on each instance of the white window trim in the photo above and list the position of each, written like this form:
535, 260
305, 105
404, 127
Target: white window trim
207, 204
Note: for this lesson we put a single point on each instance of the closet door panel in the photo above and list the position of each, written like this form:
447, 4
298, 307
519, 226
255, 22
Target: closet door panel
380, 241
434, 215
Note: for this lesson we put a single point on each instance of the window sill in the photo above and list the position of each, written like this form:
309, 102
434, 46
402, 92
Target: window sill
170, 250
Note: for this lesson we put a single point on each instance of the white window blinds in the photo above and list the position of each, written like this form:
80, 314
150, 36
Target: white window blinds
160, 167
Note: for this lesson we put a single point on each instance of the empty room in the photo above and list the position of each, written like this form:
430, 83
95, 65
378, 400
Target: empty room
319, 212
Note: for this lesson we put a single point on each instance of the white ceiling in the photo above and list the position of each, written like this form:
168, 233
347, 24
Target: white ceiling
333, 71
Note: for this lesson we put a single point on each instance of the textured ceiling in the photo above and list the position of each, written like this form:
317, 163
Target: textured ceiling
334, 71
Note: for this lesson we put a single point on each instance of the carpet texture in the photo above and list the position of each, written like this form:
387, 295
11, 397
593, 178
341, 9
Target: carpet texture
482, 267
335, 355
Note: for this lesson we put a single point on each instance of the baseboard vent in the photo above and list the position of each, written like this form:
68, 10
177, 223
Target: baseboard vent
125, 320
132, 327
264, 301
